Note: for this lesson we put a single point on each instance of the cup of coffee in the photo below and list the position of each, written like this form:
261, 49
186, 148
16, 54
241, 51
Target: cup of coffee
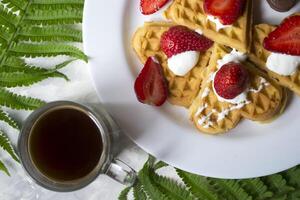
64, 146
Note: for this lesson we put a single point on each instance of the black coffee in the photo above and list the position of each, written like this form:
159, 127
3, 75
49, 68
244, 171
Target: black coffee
65, 144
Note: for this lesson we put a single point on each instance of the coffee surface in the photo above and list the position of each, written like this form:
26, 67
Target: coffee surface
65, 144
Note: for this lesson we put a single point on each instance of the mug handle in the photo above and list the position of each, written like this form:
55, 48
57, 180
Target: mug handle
121, 172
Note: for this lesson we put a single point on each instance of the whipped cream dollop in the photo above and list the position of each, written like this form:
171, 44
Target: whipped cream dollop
233, 56
283, 64
217, 22
241, 98
182, 63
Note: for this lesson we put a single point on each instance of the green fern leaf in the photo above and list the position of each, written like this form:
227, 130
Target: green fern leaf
46, 50
277, 184
159, 165
3, 168
6, 118
123, 195
199, 186
48, 34
53, 16
229, 189
138, 192
171, 188
8, 18
149, 187
256, 188
18, 102
295, 195
55, 2
293, 176
15, 5
6, 145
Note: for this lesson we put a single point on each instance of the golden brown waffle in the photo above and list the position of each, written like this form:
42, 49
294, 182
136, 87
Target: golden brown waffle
263, 104
182, 90
259, 56
190, 13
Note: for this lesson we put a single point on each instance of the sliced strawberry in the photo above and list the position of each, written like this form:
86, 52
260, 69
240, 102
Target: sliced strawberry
150, 86
151, 6
231, 80
179, 39
227, 11
285, 38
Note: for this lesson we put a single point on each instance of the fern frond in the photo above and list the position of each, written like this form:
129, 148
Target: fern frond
149, 187
199, 186
138, 192
293, 176
171, 188
16, 5
18, 102
123, 195
8, 19
17, 73
46, 50
10, 121
277, 184
54, 16
229, 189
256, 188
49, 33
55, 2
6, 146
3, 168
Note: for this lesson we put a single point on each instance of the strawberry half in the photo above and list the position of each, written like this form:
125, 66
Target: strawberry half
148, 7
227, 11
231, 80
179, 39
285, 38
151, 86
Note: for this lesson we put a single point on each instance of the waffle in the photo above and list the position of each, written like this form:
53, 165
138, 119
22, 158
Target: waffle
182, 89
190, 13
262, 105
259, 56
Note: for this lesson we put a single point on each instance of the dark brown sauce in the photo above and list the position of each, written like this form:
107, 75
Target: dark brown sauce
65, 144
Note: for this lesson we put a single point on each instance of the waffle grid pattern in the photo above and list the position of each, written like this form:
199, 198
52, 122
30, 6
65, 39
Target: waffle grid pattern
262, 105
182, 90
259, 56
190, 13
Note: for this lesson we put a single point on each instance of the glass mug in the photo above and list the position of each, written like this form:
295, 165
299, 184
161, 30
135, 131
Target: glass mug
107, 164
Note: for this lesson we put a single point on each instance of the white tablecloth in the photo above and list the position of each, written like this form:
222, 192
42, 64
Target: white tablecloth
80, 88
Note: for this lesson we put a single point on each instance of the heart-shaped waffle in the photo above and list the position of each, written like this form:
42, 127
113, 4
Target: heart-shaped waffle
265, 99
259, 56
182, 89
190, 13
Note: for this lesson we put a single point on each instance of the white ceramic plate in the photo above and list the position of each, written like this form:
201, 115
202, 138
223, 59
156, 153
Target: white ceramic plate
250, 150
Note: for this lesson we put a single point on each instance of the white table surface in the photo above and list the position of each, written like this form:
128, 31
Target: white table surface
80, 88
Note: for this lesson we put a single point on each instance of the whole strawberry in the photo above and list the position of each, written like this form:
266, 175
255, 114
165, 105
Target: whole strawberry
231, 80
227, 11
179, 39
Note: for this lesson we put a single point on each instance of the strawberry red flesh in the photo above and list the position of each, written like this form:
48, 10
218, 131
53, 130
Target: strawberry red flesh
286, 38
227, 11
148, 7
179, 39
150, 86
231, 80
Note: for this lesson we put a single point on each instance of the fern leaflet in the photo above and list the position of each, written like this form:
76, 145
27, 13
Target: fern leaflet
3, 168
123, 195
6, 145
6, 118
